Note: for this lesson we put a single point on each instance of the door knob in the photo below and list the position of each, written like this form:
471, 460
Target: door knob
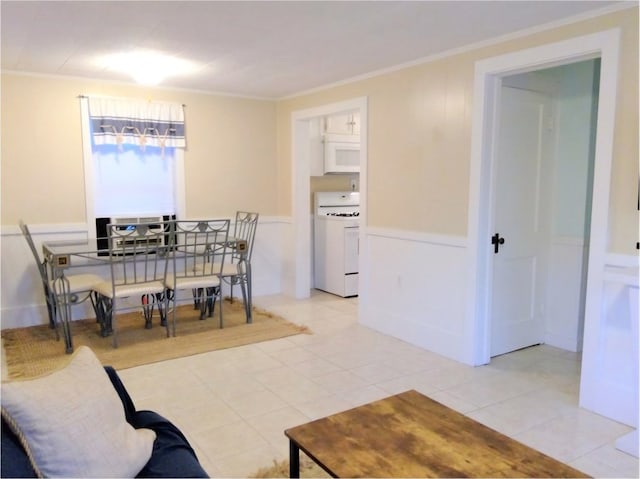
496, 241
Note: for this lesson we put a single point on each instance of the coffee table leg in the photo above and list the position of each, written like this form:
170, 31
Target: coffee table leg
294, 460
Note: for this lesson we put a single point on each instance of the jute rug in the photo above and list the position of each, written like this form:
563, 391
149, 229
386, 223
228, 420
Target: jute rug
308, 469
33, 350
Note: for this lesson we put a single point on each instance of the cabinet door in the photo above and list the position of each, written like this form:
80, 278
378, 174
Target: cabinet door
344, 124
355, 119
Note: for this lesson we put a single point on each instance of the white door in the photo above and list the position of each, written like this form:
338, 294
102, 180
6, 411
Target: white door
520, 214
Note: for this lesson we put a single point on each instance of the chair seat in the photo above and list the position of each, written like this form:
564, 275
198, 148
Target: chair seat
125, 290
228, 269
192, 282
79, 283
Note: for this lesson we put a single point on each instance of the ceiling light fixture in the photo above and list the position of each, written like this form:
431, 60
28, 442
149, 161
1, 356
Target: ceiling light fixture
147, 67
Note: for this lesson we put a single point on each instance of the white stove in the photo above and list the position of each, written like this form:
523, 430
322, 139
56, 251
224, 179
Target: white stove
336, 242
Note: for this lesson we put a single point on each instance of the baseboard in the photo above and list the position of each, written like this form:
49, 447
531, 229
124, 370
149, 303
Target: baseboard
563, 342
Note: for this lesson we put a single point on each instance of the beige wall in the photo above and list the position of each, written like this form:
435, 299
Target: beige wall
230, 160
420, 136
239, 150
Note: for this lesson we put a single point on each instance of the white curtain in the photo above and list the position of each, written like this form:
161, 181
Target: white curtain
119, 121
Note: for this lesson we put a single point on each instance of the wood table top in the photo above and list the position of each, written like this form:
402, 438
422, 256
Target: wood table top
411, 435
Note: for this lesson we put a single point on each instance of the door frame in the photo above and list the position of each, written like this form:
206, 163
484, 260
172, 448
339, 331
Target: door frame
487, 83
299, 283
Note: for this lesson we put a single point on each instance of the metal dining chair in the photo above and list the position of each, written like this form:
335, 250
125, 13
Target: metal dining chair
197, 260
61, 293
237, 271
138, 265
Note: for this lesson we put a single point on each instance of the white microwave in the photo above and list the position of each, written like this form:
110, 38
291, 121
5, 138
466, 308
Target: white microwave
341, 154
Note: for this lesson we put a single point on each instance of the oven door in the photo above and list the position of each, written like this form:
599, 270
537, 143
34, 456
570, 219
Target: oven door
336, 255
351, 249
351, 252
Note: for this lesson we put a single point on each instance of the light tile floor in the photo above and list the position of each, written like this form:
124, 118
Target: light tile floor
233, 405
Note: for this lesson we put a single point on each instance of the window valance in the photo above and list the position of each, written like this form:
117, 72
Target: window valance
117, 121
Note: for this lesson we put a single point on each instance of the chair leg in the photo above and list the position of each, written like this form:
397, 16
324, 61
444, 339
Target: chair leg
65, 313
212, 295
248, 302
219, 292
205, 302
147, 310
68, 340
168, 297
51, 310
162, 311
113, 323
95, 298
62, 301
104, 308
196, 298
245, 298
98, 306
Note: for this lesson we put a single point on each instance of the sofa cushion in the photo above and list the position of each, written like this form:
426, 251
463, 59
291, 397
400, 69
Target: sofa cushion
71, 422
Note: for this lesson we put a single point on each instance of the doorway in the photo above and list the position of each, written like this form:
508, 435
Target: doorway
543, 181
297, 282
488, 81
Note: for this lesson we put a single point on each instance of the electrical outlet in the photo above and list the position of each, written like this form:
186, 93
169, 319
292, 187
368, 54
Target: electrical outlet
353, 184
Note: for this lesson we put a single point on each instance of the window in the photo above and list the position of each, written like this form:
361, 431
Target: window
126, 175
128, 181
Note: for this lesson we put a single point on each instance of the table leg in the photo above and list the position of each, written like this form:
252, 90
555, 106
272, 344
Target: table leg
294, 460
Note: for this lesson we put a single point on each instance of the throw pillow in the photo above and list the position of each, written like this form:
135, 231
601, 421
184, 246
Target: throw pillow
71, 422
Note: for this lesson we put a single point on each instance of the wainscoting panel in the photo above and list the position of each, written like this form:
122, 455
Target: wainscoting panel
609, 381
267, 257
417, 290
22, 299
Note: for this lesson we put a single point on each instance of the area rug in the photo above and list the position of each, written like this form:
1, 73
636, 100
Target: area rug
34, 350
308, 469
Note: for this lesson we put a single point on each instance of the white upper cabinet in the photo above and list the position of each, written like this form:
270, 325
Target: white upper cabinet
343, 124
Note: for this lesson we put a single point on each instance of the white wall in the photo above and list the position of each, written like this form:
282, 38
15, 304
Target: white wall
576, 98
575, 126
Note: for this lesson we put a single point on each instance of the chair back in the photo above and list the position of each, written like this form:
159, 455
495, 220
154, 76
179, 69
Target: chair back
244, 229
44, 274
138, 252
42, 266
200, 247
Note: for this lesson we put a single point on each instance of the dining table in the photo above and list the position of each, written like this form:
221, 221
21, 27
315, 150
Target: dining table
63, 255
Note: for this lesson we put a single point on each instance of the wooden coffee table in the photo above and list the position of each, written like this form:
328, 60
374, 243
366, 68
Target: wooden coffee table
410, 435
